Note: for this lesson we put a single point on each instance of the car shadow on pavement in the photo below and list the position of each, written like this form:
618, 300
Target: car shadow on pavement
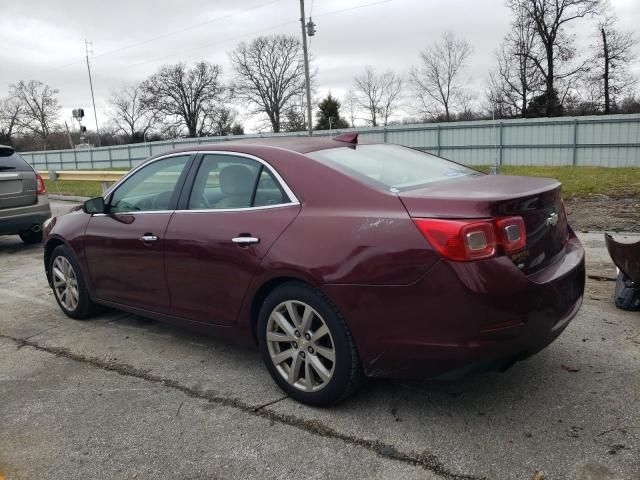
12, 244
473, 391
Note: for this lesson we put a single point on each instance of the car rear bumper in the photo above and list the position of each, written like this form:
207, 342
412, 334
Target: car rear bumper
462, 317
17, 219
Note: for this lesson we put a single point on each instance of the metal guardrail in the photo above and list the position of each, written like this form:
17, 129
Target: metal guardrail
87, 175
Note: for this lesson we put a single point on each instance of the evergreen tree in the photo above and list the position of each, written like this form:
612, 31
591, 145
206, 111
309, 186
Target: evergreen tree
546, 104
329, 108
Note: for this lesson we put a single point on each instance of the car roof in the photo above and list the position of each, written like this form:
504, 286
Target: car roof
6, 149
284, 155
297, 144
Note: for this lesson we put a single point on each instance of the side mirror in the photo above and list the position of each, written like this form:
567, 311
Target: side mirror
95, 205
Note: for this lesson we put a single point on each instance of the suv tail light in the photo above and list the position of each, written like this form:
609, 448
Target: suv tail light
465, 240
41, 190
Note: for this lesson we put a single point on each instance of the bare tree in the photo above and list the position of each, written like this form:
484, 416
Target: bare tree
614, 54
130, 114
39, 105
185, 96
550, 18
378, 94
437, 80
269, 75
392, 91
516, 78
350, 107
222, 121
294, 116
10, 110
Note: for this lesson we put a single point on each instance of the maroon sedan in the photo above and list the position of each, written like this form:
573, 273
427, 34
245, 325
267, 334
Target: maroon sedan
342, 260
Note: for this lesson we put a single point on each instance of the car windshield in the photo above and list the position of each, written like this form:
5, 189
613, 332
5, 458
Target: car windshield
392, 167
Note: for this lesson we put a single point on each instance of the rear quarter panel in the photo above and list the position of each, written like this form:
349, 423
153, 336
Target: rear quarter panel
347, 232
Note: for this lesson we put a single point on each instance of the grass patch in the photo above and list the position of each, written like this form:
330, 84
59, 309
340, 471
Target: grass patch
576, 181
584, 181
79, 188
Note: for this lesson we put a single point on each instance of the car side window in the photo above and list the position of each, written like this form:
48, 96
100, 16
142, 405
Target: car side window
269, 191
150, 188
223, 182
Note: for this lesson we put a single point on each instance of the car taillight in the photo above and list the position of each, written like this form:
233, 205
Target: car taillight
465, 240
513, 236
459, 239
41, 190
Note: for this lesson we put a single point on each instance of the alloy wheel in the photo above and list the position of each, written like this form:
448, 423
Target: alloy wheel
65, 283
300, 346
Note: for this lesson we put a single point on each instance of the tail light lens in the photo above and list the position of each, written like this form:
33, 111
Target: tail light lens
459, 239
465, 240
41, 190
511, 231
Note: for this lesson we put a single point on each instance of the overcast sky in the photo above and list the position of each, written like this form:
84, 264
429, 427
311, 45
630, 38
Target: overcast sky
44, 39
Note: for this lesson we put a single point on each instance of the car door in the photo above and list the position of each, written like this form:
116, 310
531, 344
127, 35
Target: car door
125, 246
215, 241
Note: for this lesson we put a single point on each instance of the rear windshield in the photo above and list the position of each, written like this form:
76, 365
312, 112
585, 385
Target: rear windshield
10, 161
392, 167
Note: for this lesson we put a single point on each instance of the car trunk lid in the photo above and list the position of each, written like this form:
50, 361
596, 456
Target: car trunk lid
537, 200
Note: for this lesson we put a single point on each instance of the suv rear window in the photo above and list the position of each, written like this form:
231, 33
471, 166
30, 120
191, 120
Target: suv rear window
392, 167
10, 161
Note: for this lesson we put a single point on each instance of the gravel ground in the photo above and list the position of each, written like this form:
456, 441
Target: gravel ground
600, 212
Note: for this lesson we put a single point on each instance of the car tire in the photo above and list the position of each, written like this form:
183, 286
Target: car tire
68, 284
316, 344
30, 237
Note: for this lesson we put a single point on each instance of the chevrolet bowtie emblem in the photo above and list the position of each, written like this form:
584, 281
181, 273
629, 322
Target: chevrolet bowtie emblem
552, 220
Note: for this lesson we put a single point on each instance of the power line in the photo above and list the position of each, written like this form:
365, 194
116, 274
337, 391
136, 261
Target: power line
217, 42
197, 25
333, 12
244, 35
164, 35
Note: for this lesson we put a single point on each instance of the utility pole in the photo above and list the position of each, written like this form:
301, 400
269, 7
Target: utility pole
95, 114
71, 145
306, 67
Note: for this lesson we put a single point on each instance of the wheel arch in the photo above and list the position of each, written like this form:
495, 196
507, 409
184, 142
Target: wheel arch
263, 291
49, 247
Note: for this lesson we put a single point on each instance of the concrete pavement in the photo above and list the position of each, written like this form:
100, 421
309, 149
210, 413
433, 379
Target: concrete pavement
125, 397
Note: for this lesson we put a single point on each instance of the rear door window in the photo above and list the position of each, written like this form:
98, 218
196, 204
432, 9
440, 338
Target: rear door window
226, 182
269, 191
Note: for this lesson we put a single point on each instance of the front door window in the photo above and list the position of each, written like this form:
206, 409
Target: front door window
151, 188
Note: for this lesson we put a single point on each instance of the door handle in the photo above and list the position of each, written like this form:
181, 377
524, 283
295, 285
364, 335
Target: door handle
146, 238
245, 240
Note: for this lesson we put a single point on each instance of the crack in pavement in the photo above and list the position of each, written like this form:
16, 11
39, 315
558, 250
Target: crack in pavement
43, 331
425, 460
268, 404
